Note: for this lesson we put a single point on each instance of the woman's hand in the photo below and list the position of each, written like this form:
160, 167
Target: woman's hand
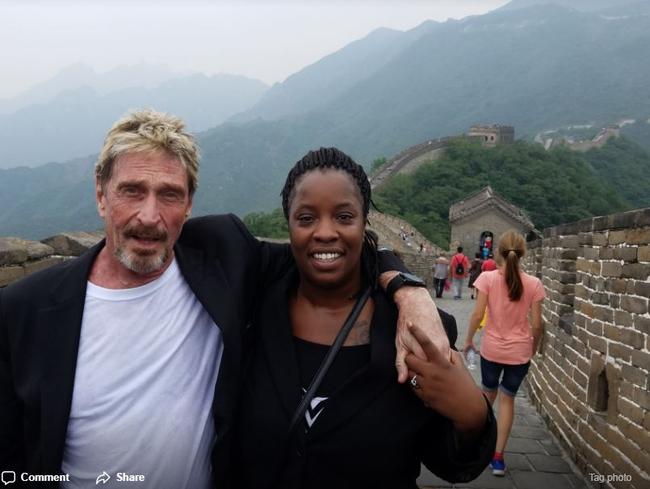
446, 386
469, 345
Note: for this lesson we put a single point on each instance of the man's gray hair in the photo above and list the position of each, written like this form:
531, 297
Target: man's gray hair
145, 131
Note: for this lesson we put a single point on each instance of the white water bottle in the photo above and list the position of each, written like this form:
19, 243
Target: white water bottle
471, 359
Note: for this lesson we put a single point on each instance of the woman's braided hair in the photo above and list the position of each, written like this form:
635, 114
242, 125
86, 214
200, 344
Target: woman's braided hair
335, 159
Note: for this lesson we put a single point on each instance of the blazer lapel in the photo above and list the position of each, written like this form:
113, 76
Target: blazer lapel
59, 331
362, 388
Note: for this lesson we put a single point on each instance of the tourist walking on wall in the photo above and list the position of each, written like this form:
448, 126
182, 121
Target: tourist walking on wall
440, 274
508, 341
458, 271
474, 272
489, 264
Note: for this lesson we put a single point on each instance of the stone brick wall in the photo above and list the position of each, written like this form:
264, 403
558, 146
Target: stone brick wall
420, 152
20, 257
388, 228
591, 380
420, 265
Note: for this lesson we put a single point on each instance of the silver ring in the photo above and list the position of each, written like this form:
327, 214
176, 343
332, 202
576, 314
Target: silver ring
414, 382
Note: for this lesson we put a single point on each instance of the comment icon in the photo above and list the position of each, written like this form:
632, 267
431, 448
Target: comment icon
8, 477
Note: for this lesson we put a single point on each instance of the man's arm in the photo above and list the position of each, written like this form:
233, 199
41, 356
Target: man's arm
11, 448
416, 308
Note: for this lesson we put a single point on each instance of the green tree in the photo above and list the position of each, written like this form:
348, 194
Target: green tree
267, 224
553, 187
377, 163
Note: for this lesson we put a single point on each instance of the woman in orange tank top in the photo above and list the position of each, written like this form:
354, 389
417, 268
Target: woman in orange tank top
509, 339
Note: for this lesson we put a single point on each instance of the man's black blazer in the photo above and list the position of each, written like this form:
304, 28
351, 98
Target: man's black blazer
40, 322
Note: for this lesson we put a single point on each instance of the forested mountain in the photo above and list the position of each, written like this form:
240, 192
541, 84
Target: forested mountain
537, 67
74, 122
551, 186
39, 202
639, 132
625, 166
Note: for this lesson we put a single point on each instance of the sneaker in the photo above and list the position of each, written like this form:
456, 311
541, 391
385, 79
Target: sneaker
498, 467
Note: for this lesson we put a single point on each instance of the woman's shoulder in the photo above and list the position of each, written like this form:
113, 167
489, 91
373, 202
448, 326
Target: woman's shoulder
533, 285
490, 274
530, 279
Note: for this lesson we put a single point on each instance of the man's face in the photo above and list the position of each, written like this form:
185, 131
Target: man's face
144, 206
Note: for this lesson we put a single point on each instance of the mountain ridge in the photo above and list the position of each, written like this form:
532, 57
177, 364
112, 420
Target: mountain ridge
535, 68
75, 121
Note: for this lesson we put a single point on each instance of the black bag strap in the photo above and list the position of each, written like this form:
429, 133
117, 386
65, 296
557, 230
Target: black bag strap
329, 359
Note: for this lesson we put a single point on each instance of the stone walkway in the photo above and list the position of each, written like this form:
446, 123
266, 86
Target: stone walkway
533, 458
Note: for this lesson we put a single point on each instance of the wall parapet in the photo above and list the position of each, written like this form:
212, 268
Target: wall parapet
591, 380
21, 257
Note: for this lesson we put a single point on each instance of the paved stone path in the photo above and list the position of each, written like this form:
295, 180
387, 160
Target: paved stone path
533, 458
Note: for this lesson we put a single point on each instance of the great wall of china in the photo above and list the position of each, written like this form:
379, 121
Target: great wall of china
591, 382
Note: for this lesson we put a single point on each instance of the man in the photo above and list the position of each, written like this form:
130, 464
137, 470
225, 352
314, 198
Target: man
440, 274
125, 364
458, 269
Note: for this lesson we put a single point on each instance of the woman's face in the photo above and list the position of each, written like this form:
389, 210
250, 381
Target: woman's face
326, 226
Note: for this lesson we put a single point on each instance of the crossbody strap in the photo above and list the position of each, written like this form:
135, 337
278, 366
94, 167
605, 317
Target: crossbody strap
329, 359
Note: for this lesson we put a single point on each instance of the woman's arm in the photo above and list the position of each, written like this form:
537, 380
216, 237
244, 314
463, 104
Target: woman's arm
446, 386
452, 459
460, 441
538, 327
475, 320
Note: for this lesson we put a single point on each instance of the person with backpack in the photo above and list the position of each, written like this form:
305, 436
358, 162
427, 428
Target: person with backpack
458, 269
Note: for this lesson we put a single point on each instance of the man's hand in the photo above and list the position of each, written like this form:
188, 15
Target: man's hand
416, 308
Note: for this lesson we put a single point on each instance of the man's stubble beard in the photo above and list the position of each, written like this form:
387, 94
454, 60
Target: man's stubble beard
142, 265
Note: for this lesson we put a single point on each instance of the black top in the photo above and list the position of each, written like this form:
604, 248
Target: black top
349, 360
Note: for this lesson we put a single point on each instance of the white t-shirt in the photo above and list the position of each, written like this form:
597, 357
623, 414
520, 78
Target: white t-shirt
146, 372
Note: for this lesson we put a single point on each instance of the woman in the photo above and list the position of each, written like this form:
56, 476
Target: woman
362, 429
474, 272
508, 342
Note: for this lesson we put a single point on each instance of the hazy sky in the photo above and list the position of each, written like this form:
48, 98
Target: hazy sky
268, 40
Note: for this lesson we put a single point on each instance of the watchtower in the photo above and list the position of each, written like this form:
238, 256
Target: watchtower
493, 135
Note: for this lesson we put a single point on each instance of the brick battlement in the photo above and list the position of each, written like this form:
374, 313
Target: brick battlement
592, 378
